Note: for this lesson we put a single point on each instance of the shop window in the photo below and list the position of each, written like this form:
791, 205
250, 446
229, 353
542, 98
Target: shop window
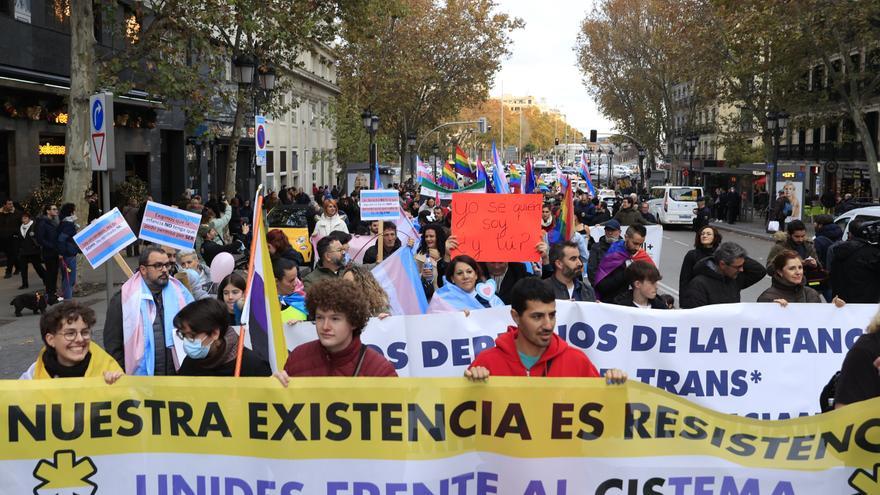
270, 162
283, 162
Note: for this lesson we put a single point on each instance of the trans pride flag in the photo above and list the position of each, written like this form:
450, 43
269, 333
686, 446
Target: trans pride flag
398, 275
261, 316
498, 177
585, 172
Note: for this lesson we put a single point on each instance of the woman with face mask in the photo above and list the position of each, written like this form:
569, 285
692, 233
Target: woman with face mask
210, 344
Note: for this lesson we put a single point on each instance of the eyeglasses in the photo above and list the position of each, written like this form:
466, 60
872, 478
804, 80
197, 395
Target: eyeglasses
160, 266
71, 336
190, 338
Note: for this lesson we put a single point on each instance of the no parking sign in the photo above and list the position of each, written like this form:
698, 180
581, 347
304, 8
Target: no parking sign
261, 138
101, 124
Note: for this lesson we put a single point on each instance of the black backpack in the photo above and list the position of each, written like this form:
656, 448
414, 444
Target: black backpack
826, 398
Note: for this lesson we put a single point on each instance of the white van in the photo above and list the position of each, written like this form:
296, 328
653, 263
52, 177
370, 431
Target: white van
674, 205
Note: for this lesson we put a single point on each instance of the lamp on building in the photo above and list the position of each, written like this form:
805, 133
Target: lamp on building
267, 78
776, 124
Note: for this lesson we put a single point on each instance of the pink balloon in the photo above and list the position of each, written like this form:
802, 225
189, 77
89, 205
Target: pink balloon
222, 265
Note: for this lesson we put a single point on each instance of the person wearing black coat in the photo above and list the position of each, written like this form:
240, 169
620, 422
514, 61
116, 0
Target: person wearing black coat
734, 202
702, 214
721, 278
855, 268
827, 233
28, 249
47, 239
68, 248
706, 241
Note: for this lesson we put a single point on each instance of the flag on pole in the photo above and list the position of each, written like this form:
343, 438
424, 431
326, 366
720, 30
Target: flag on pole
585, 172
261, 315
447, 178
463, 164
530, 185
515, 177
423, 172
398, 275
564, 227
483, 176
498, 177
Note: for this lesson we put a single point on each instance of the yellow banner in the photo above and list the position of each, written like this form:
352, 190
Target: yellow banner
413, 419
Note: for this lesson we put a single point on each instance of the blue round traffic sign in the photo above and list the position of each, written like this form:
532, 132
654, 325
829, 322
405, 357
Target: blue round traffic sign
261, 136
97, 115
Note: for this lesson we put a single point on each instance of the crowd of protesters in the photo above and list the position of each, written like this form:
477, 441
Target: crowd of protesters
172, 300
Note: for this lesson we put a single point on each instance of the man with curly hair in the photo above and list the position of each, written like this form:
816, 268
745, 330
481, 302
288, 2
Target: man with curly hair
340, 314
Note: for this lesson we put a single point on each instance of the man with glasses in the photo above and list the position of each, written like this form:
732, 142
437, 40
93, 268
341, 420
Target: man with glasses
721, 278
47, 238
139, 329
331, 257
68, 350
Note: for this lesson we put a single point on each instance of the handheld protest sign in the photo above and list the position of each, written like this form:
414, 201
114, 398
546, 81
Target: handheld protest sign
169, 226
497, 227
104, 237
380, 204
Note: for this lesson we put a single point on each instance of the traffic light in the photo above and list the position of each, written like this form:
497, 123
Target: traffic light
592, 135
557, 141
483, 125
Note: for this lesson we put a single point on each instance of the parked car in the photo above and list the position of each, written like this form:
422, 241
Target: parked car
293, 220
861, 214
674, 205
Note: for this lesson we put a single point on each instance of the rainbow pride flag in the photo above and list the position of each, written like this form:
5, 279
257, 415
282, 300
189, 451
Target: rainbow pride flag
447, 178
515, 176
564, 228
463, 164
483, 176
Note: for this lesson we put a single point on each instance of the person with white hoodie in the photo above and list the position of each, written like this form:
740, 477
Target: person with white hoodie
330, 220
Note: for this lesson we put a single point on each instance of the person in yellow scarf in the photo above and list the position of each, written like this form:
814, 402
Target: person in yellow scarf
69, 352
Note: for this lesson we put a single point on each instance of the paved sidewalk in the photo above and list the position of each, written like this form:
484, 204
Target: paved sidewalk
20, 337
755, 228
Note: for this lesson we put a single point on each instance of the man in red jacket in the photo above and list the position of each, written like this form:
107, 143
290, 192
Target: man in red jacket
532, 348
340, 313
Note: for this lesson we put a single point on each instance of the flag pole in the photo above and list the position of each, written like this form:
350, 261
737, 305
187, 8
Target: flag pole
258, 213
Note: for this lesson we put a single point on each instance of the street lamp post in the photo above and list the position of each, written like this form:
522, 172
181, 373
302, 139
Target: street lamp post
410, 145
692, 141
776, 123
435, 152
642, 167
610, 163
260, 78
371, 125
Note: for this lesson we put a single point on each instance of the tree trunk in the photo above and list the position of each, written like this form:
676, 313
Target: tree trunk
870, 151
78, 167
232, 157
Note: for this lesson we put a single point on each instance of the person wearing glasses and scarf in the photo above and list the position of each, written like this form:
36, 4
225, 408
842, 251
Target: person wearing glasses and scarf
68, 350
139, 328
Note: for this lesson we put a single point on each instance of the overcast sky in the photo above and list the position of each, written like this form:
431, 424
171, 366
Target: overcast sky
543, 62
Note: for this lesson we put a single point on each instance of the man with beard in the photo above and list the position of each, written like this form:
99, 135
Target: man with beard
566, 272
610, 276
139, 328
531, 347
47, 238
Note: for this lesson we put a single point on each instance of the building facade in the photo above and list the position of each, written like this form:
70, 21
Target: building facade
34, 89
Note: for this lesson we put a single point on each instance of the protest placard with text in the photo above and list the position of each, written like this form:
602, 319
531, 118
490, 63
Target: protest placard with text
497, 227
170, 226
380, 204
104, 237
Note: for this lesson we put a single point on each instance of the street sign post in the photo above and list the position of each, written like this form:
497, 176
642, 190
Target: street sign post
103, 152
261, 138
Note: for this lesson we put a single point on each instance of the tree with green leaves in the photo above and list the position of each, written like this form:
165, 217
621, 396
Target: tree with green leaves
415, 63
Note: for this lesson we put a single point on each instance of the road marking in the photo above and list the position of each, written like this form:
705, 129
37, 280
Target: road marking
682, 243
668, 288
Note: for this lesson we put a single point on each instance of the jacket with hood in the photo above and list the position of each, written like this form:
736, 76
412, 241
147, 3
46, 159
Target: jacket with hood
855, 276
709, 286
67, 247
631, 216
783, 289
825, 237
783, 242
324, 225
558, 360
691, 259
597, 252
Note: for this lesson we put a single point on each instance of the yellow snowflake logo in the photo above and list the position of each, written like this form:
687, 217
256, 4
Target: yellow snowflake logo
865, 482
66, 475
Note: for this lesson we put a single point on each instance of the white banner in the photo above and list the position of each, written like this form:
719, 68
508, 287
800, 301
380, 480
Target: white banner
757, 360
653, 240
